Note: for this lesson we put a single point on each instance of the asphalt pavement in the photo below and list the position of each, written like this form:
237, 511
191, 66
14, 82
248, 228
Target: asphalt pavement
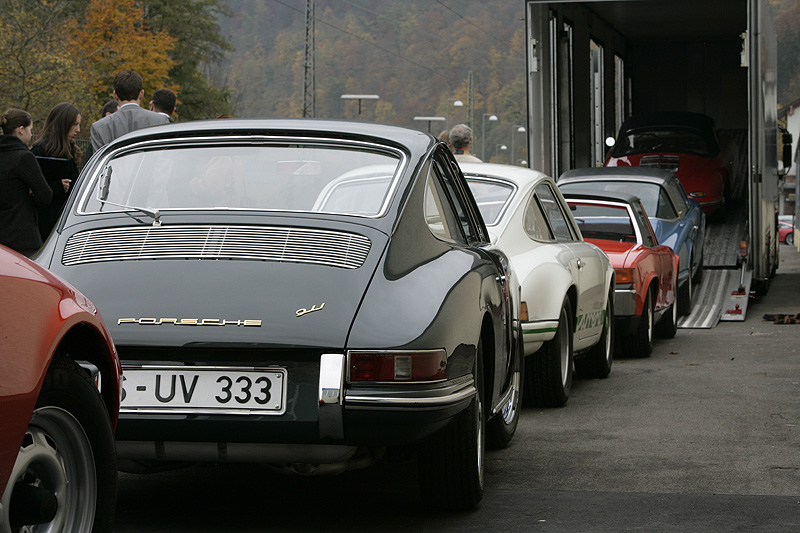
704, 435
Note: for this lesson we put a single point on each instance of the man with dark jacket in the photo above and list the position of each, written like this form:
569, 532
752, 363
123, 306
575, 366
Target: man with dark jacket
130, 116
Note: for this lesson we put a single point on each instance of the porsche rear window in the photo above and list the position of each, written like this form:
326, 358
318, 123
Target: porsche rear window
654, 199
491, 197
285, 177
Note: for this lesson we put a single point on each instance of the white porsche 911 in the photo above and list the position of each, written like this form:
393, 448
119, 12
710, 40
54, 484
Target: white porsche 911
567, 285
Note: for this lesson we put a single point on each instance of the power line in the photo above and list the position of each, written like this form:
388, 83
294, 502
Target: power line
390, 52
462, 17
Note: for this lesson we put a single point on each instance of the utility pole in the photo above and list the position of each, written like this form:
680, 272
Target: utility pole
470, 100
309, 86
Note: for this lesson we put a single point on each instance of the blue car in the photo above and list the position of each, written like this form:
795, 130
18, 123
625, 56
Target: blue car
677, 220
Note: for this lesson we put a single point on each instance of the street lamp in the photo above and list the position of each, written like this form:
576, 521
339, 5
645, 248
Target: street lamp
498, 147
516, 128
360, 97
429, 120
456, 103
492, 118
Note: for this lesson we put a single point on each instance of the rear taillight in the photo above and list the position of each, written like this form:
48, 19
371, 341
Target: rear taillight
397, 366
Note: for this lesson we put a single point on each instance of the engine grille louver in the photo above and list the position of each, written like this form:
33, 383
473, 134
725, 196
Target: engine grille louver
667, 162
256, 243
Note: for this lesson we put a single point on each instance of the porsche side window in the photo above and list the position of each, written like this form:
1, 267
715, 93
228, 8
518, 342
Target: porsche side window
438, 214
457, 200
677, 192
535, 223
647, 231
555, 215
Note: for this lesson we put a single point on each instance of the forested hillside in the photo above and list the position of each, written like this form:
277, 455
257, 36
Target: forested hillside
413, 54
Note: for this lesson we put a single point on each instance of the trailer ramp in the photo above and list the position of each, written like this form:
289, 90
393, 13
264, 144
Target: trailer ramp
723, 294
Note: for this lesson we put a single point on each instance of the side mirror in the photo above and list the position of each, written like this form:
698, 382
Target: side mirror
105, 183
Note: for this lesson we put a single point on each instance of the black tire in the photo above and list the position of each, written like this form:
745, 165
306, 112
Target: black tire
640, 343
450, 463
790, 239
548, 372
597, 362
667, 327
69, 450
698, 273
500, 429
684, 298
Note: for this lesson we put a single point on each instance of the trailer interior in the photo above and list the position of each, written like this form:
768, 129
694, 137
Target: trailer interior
592, 64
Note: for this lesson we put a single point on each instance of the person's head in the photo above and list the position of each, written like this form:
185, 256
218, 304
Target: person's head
61, 128
17, 122
163, 101
444, 136
128, 86
460, 137
110, 107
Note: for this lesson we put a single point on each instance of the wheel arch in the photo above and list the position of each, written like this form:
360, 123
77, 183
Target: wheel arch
83, 342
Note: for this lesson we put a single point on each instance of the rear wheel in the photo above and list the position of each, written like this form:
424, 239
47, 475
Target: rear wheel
597, 362
686, 294
500, 429
450, 463
668, 325
65, 475
790, 239
549, 371
640, 343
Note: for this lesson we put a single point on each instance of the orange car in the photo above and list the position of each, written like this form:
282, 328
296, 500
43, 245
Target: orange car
59, 401
646, 294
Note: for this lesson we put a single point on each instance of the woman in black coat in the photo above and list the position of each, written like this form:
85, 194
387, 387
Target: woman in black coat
22, 185
57, 144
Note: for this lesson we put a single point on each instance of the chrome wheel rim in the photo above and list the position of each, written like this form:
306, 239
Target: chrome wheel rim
607, 326
56, 455
511, 408
480, 438
564, 347
649, 323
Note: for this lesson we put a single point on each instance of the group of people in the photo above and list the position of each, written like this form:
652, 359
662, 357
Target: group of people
35, 181
459, 139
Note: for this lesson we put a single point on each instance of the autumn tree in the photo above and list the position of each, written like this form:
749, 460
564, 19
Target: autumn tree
116, 36
37, 67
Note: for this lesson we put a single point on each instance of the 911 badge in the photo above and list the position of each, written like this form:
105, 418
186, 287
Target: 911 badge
304, 311
190, 322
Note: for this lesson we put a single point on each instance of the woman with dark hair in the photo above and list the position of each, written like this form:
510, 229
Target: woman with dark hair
22, 185
59, 156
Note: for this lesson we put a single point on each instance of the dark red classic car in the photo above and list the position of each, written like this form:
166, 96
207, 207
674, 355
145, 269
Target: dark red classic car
59, 401
646, 294
683, 143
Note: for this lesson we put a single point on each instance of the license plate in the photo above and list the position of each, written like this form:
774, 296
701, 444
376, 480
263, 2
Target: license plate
211, 390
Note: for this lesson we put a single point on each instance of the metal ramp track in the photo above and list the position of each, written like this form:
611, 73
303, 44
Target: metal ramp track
714, 299
721, 247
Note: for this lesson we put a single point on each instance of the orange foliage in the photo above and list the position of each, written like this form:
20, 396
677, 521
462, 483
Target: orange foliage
115, 37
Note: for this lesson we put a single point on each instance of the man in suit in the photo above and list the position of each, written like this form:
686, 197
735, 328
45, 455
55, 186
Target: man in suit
163, 102
130, 116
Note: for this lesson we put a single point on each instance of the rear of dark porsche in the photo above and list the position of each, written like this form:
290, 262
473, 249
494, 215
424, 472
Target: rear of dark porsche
233, 302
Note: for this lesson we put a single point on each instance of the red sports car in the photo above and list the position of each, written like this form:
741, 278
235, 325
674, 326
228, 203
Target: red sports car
681, 142
786, 231
59, 401
647, 272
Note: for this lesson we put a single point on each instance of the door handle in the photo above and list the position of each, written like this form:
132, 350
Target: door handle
580, 264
